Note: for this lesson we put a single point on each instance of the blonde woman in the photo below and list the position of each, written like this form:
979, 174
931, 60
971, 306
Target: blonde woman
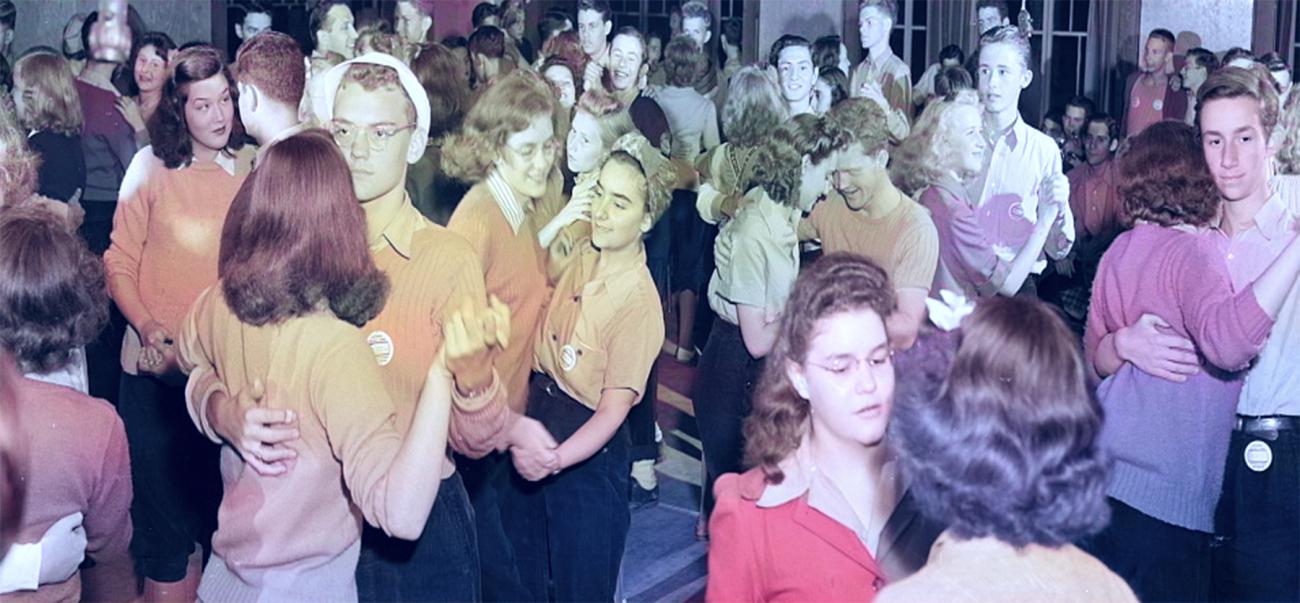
598, 120
945, 149
48, 107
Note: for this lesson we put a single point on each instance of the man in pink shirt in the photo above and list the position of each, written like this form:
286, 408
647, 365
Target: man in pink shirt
1150, 99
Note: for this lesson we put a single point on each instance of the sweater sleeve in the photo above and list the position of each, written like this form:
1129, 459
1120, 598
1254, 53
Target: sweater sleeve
480, 423
128, 238
1228, 329
734, 575
969, 252
108, 518
1097, 328
349, 399
196, 359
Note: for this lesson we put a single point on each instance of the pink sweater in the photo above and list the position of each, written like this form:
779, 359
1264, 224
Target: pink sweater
1169, 439
81, 465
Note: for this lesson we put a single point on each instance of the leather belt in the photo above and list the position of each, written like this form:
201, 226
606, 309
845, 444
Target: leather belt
1267, 426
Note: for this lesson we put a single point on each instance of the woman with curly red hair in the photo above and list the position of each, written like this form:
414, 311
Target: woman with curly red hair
1169, 459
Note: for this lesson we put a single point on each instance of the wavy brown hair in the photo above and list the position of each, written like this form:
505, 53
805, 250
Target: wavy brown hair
777, 168
14, 460
53, 296
505, 108
838, 282
168, 130
1006, 446
295, 239
1163, 178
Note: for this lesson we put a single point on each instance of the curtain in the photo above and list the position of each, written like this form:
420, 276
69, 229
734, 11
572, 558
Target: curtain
1113, 43
950, 22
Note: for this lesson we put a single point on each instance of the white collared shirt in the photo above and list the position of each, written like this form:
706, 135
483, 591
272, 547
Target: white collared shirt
506, 200
1006, 192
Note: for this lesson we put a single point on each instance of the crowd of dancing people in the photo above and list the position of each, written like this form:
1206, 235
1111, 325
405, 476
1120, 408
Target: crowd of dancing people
379, 319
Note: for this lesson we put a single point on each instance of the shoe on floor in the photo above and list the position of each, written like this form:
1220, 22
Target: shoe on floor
641, 497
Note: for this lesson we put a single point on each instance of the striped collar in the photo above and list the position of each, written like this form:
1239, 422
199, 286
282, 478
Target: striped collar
506, 200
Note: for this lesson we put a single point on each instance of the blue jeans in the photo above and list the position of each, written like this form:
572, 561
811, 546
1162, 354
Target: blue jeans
441, 566
569, 530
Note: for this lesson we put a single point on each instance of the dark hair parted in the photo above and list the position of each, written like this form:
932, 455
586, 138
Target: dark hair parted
952, 52
599, 6
168, 129
684, 61
53, 296
998, 5
482, 12
1163, 178
295, 239
1237, 52
1164, 35
1007, 446
836, 283
1112, 126
162, 44
784, 42
1203, 58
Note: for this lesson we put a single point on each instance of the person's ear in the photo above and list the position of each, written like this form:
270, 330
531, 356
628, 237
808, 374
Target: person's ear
609, 26
881, 158
251, 93
1114, 145
798, 380
647, 222
419, 141
239, 31
1026, 78
708, 35
426, 23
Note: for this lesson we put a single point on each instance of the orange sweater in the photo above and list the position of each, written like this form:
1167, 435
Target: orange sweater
514, 269
166, 235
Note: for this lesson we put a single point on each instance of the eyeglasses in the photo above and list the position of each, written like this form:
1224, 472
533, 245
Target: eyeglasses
532, 151
843, 366
378, 136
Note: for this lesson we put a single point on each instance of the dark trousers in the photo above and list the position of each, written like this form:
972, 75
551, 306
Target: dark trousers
641, 421
1160, 561
441, 566
487, 481
1259, 520
723, 386
569, 529
176, 483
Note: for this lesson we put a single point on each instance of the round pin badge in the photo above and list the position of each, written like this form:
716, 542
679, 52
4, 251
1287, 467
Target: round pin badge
1159, 105
1258, 456
568, 357
382, 345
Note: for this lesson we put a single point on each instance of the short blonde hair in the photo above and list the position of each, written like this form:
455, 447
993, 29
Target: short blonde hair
753, 109
924, 156
611, 116
55, 105
505, 108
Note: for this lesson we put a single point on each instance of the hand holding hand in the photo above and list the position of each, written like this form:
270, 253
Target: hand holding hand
468, 335
130, 110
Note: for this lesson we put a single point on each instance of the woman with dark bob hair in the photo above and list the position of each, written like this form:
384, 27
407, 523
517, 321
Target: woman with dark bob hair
1169, 438
1006, 452
297, 280
814, 519
52, 302
163, 254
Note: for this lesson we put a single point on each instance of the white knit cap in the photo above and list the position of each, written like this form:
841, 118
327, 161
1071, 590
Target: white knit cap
332, 79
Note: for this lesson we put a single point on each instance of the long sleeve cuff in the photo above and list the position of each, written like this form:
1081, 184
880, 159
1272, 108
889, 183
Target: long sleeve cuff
21, 568
481, 423
198, 390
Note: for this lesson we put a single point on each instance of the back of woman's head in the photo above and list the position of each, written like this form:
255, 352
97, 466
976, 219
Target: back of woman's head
440, 72
1007, 445
53, 103
507, 107
294, 240
1163, 178
777, 169
834, 284
567, 46
753, 109
18, 164
838, 82
52, 290
168, 130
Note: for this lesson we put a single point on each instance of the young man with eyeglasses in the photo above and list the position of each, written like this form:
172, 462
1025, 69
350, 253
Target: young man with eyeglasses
378, 114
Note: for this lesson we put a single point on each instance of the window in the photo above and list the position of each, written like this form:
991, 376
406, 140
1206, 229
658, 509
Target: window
908, 38
1060, 45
